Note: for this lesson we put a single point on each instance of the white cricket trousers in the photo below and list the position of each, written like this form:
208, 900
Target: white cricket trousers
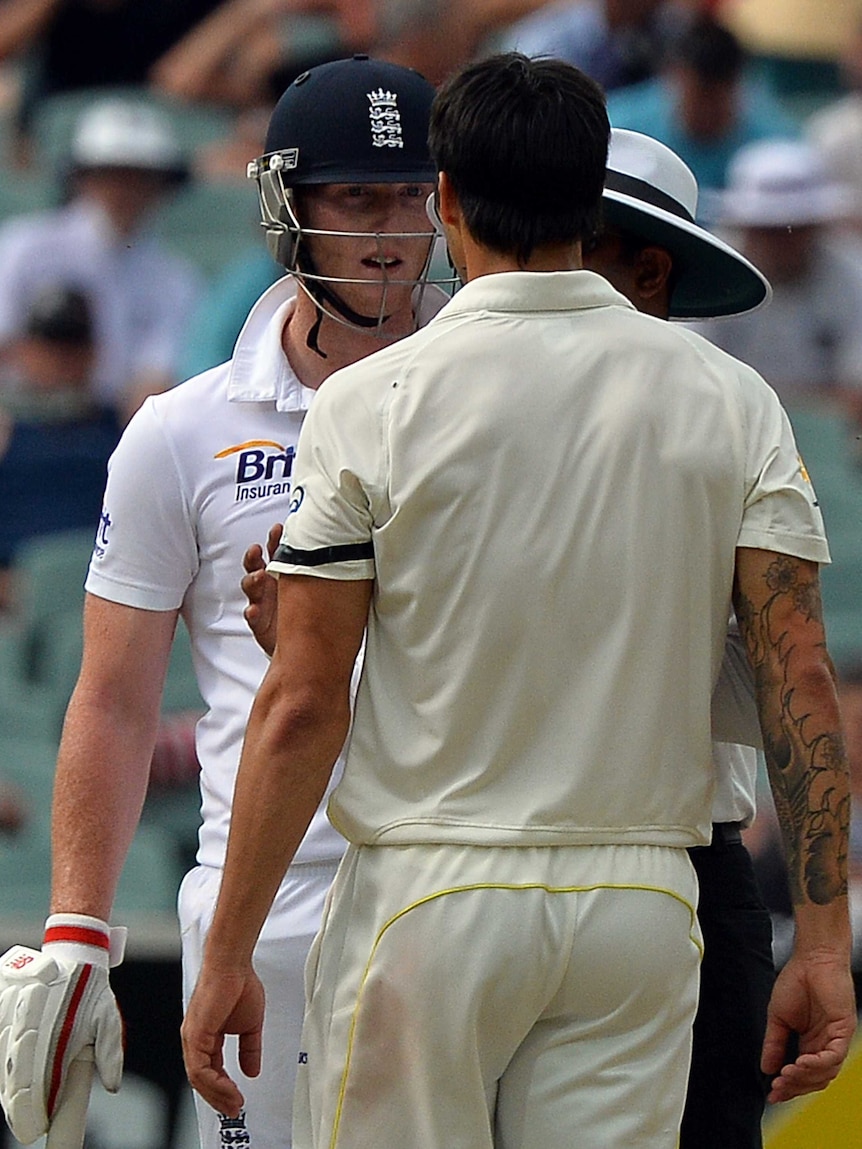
465, 997
279, 959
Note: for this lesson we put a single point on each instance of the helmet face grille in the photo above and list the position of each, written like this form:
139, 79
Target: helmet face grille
356, 121
288, 243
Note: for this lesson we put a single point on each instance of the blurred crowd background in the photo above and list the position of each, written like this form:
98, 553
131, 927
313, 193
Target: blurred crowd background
130, 254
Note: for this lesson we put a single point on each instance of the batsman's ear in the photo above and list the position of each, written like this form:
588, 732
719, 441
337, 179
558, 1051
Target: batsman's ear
433, 213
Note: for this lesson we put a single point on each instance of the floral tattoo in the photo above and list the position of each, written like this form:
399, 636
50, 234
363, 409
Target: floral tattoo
807, 765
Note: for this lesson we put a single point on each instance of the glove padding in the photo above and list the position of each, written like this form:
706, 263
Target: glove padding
51, 1009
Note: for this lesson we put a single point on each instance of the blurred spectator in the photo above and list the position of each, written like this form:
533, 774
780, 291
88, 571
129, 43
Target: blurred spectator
218, 320
216, 63
617, 42
281, 38
836, 129
705, 105
225, 160
783, 201
72, 44
54, 441
12, 810
124, 161
248, 72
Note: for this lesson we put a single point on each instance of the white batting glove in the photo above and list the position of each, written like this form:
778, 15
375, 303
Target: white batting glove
57, 1007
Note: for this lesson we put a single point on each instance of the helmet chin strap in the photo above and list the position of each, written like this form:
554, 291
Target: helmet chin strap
320, 293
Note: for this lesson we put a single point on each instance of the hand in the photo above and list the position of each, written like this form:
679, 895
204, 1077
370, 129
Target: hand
221, 1004
54, 1011
261, 590
813, 997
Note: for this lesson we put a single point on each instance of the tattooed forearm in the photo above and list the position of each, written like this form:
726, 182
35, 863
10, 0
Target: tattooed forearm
780, 617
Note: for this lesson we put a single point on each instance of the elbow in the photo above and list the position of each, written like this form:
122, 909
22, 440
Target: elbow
305, 715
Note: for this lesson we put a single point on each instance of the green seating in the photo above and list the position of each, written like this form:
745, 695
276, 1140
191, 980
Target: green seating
148, 884
152, 874
21, 194
40, 650
211, 224
27, 761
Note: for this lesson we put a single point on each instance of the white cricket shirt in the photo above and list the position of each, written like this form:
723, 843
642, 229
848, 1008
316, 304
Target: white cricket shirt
202, 472
548, 490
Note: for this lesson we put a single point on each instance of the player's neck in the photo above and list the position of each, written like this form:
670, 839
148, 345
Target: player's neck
481, 260
335, 344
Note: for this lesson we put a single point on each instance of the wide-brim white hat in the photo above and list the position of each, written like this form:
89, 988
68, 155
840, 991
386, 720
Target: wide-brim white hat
119, 133
650, 193
783, 183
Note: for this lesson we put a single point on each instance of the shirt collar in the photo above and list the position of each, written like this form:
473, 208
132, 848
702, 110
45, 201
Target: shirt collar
260, 370
525, 291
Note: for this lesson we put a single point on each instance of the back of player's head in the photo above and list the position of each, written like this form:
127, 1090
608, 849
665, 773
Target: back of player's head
524, 144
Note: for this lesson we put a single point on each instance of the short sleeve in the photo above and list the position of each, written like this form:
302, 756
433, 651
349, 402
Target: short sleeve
146, 552
781, 511
336, 495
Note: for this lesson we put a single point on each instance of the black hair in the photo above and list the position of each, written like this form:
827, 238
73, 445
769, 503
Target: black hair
524, 144
60, 314
712, 51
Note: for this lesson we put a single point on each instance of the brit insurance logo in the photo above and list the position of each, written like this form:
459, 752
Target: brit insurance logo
263, 468
100, 546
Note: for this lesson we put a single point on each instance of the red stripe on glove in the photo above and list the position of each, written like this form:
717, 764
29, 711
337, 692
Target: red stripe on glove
65, 1035
82, 935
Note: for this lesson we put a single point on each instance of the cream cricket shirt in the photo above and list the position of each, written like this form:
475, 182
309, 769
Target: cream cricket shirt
202, 472
548, 490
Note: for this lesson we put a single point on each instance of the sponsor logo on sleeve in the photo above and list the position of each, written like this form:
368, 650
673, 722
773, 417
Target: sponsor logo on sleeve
803, 471
101, 544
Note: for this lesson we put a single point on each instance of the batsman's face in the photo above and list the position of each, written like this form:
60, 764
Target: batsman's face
377, 244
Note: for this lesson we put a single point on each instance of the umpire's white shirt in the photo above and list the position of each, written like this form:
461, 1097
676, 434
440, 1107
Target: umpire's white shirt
547, 488
202, 472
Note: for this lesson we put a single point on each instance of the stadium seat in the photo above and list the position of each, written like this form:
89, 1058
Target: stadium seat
148, 884
27, 761
211, 224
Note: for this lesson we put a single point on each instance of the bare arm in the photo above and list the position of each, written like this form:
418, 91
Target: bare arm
297, 728
21, 22
105, 752
777, 602
489, 15
211, 62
